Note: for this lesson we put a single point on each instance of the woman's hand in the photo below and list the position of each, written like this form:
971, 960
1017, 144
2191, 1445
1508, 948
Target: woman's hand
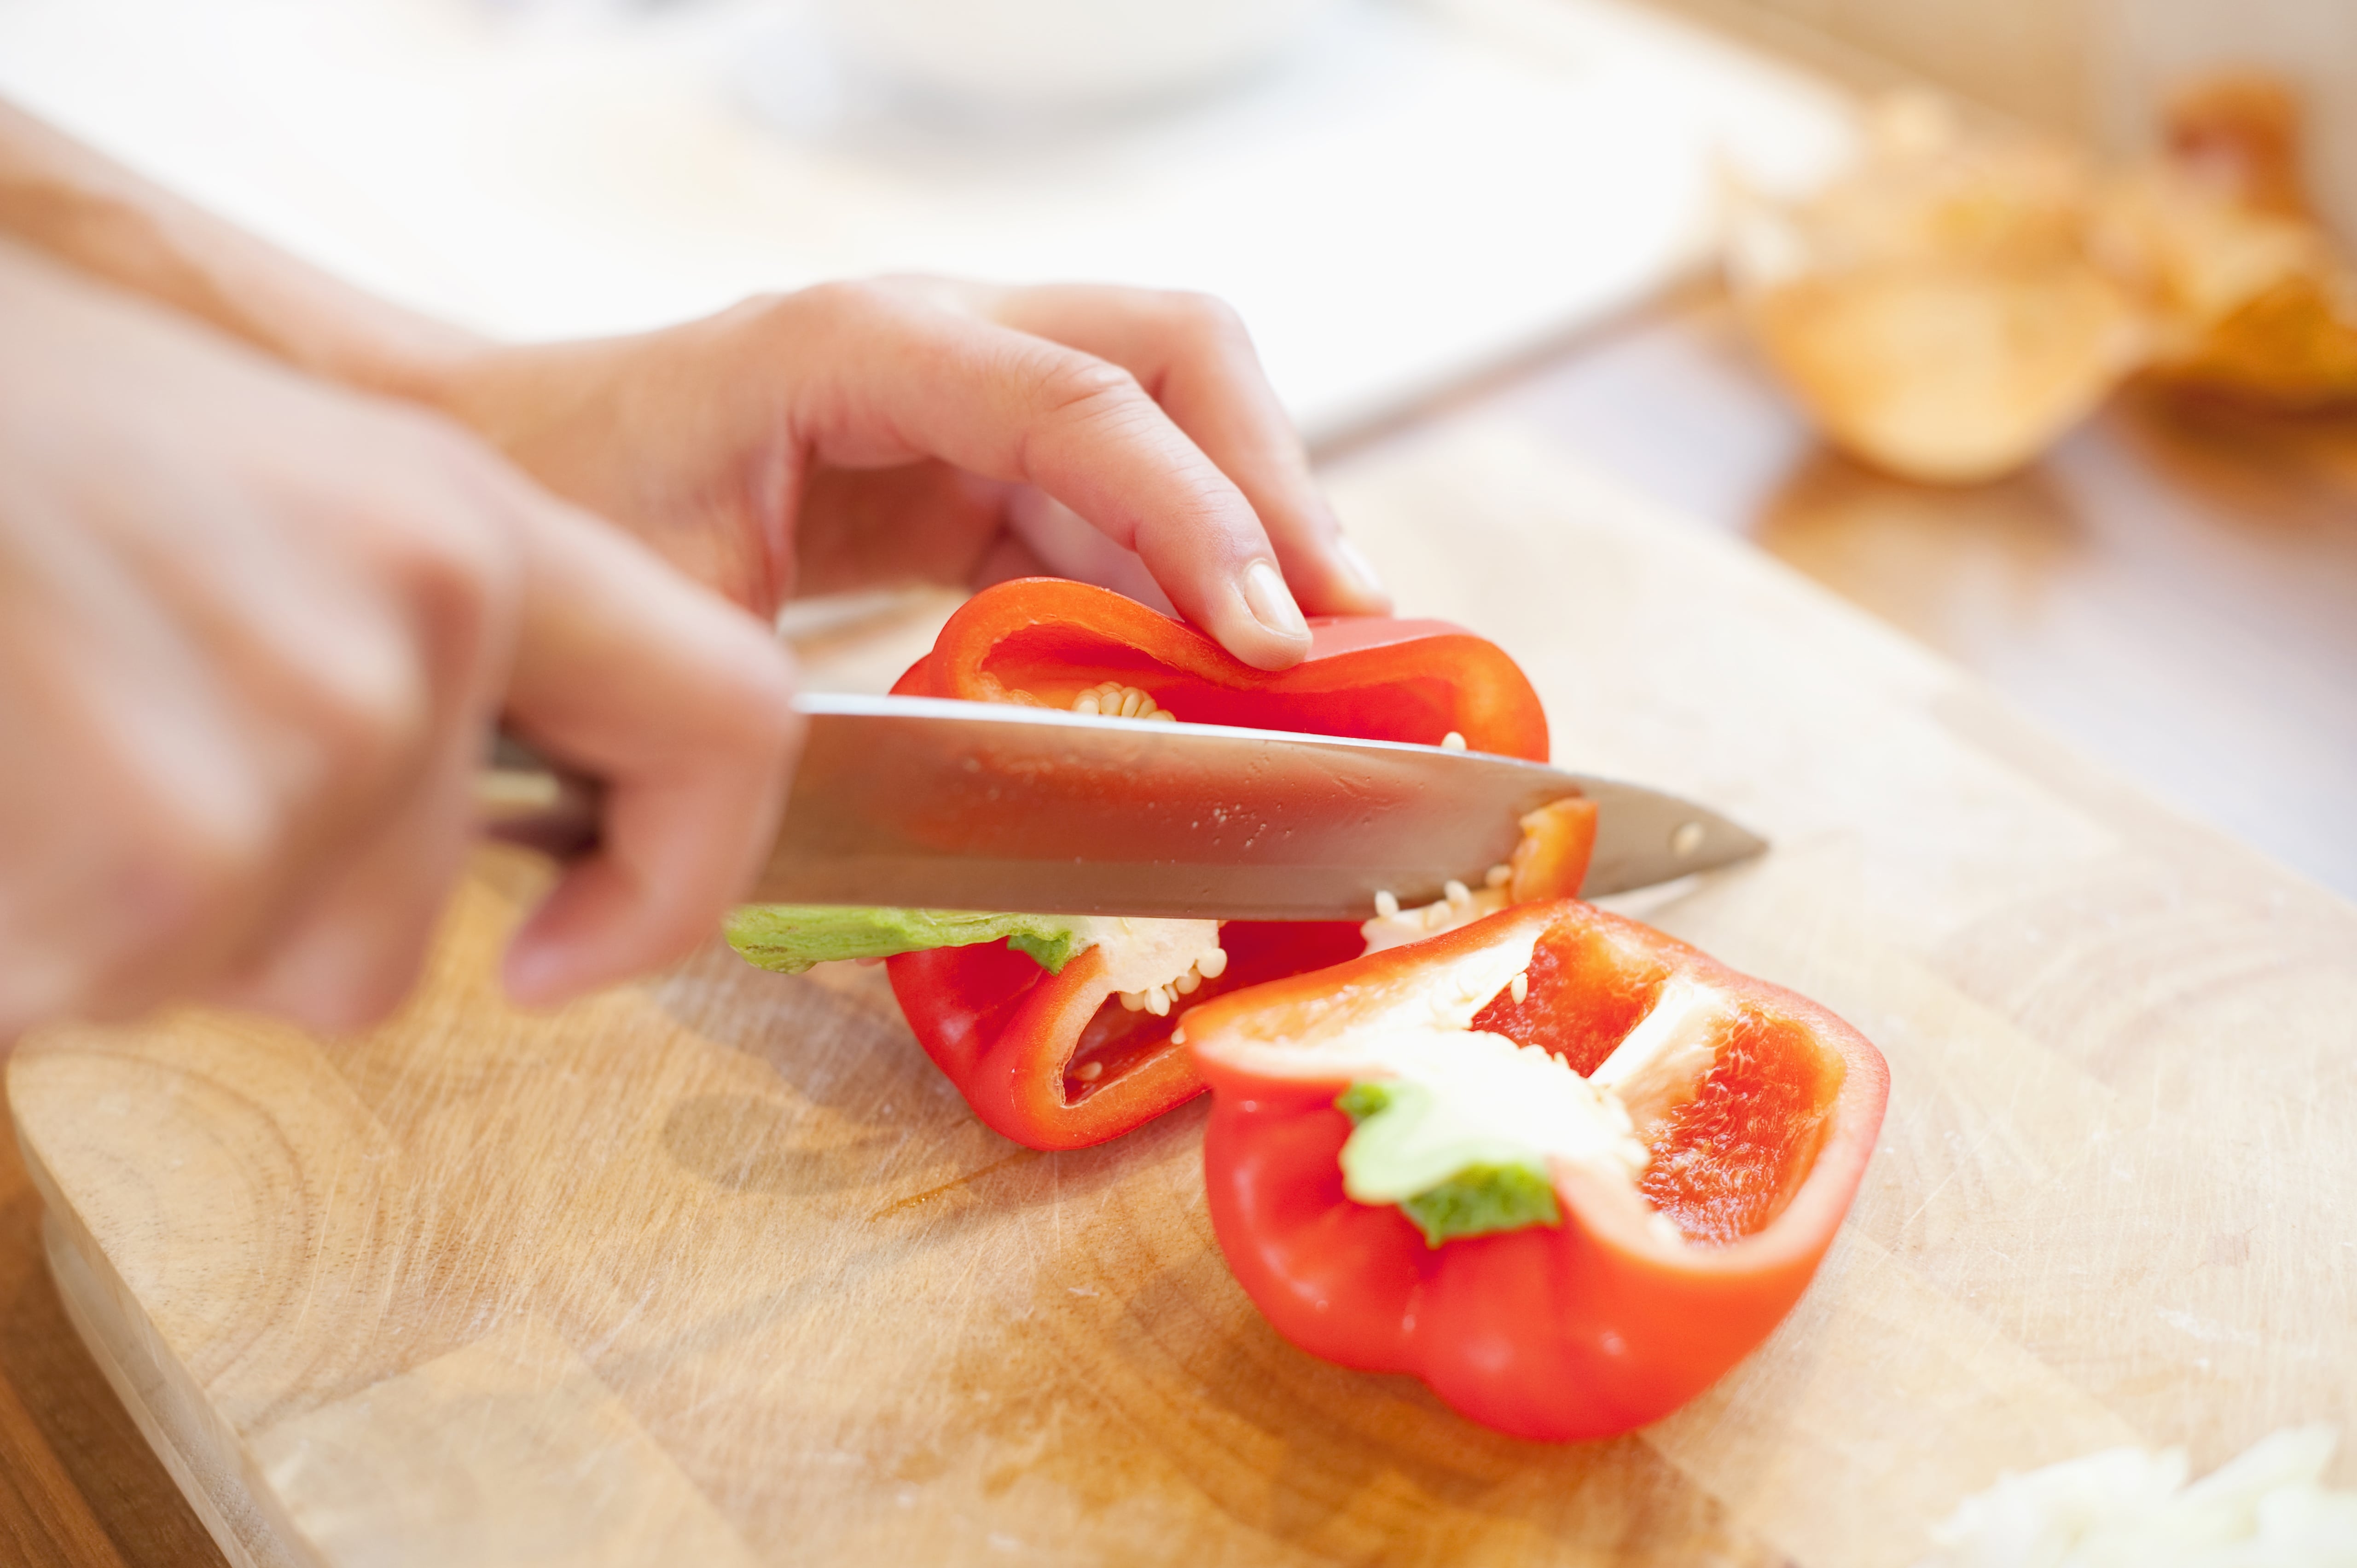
906, 429
254, 633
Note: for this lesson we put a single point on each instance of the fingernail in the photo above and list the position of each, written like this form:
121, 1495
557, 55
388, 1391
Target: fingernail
1371, 583
1271, 602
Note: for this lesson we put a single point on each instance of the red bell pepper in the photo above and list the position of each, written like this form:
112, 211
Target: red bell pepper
1622, 1213
1045, 641
1054, 1062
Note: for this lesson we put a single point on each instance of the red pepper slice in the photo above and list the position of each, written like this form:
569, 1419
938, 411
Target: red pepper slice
1603, 1320
1053, 1061
1044, 640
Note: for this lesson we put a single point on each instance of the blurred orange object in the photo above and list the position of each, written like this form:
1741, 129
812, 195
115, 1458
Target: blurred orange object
1937, 309
2247, 297
2239, 132
1957, 301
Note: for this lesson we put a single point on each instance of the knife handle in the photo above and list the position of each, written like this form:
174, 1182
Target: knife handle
522, 798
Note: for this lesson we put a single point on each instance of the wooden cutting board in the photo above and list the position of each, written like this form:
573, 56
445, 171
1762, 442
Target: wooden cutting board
717, 1269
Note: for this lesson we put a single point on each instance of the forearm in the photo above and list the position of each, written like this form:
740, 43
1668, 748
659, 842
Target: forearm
94, 215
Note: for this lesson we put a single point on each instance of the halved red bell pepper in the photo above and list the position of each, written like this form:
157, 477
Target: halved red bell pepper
1054, 1062
1650, 1252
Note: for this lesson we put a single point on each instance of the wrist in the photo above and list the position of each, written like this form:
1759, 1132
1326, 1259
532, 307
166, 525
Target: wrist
93, 216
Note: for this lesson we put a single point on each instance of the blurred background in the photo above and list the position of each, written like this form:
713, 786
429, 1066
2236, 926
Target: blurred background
2026, 325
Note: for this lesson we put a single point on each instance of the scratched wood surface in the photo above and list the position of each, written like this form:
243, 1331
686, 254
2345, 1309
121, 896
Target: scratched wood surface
717, 1269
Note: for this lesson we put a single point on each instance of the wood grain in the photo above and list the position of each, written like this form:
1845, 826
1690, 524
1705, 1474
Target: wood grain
719, 1259
47, 1520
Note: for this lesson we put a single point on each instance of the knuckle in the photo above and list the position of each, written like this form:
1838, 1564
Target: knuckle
367, 715
1067, 382
834, 300
758, 307
460, 582
1203, 316
469, 548
843, 318
453, 558
850, 299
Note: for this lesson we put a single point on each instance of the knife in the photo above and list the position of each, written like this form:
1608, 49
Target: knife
926, 802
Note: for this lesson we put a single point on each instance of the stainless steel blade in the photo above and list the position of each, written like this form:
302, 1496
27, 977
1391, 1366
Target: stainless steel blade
911, 800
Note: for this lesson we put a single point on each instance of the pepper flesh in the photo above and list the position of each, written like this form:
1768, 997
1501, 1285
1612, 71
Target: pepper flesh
1647, 1290
1053, 1061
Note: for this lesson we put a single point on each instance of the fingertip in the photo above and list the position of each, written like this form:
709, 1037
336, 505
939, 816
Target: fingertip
1271, 633
536, 971
644, 902
588, 933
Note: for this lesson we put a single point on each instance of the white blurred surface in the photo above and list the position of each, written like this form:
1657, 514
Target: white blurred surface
1428, 187
1068, 54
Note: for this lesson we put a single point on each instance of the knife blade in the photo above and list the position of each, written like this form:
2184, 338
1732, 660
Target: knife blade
954, 805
